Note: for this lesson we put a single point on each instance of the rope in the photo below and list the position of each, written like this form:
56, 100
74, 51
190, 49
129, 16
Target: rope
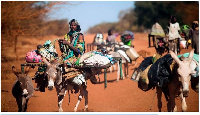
54, 41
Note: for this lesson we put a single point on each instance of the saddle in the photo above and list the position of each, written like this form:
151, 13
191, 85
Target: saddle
71, 73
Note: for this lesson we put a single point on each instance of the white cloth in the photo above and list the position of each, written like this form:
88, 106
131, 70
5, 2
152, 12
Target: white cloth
97, 60
124, 55
173, 31
157, 30
79, 79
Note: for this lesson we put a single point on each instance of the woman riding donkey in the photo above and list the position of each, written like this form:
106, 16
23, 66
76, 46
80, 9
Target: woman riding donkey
72, 47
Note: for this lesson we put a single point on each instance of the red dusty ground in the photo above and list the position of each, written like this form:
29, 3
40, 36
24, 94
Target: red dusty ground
121, 96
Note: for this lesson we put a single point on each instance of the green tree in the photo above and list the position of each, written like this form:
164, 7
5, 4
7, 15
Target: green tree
150, 12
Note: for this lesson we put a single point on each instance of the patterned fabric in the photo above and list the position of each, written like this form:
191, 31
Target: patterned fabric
70, 56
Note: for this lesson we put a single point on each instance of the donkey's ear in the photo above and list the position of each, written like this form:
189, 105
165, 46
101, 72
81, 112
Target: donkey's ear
27, 70
175, 57
182, 57
14, 71
45, 61
191, 55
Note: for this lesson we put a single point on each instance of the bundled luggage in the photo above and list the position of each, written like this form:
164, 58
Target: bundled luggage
127, 36
47, 51
33, 57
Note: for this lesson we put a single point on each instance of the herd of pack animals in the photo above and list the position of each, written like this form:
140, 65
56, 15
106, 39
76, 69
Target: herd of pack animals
23, 88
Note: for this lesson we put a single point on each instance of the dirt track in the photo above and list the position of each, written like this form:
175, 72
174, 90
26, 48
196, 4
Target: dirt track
121, 96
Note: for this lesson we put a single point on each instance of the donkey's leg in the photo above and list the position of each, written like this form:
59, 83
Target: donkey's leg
19, 103
25, 108
171, 103
23, 104
127, 69
183, 102
118, 71
111, 68
60, 100
114, 67
69, 96
124, 70
159, 95
79, 98
86, 99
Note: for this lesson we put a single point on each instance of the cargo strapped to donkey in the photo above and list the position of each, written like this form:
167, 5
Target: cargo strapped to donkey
105, 67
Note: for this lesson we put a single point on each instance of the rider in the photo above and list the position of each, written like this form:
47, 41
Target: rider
194, 36
174, 30
72, 47
73, 44
111, 37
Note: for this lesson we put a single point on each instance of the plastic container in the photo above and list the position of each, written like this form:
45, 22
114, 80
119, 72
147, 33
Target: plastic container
132, 54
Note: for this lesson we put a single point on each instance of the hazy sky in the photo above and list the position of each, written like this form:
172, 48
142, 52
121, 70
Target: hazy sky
90, 13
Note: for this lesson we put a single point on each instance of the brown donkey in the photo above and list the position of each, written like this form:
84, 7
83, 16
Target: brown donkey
22, 89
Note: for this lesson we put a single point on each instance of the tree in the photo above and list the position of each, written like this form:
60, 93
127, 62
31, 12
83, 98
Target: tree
148, 13
23, 18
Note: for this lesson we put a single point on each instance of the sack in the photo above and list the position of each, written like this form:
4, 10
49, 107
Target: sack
143, 82
33, 57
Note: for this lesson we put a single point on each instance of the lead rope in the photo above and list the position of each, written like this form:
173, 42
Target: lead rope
153, 100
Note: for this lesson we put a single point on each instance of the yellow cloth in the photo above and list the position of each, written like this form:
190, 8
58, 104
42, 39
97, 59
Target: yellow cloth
189, 41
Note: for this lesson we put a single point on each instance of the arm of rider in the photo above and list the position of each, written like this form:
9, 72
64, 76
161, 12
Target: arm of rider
71, 46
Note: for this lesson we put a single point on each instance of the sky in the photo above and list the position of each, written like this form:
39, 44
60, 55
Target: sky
91, 13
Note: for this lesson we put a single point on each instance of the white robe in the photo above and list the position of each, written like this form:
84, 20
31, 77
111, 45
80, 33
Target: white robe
173, 31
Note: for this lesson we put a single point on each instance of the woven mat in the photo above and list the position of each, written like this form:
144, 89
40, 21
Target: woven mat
71, 73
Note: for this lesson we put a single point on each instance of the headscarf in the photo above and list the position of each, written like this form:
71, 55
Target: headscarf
195, 25
78, 25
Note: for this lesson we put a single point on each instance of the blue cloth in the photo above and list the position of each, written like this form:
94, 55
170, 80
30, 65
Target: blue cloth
195, 56
110, 58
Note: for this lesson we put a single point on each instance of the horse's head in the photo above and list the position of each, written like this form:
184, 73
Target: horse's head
52, 73
22, 79
184, 71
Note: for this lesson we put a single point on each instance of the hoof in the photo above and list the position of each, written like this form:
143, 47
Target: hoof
86, 109
75, 109
61, 110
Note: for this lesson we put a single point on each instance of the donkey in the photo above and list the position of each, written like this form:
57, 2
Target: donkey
179, 85
22, 89
123, 61
118, 50
54, 75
